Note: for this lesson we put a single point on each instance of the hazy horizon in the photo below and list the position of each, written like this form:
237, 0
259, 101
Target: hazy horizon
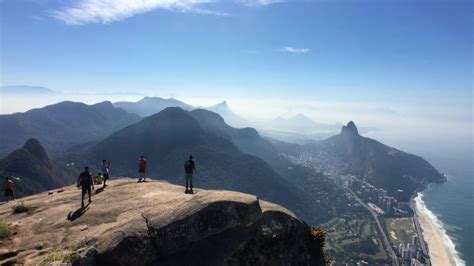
409, 78
437, 137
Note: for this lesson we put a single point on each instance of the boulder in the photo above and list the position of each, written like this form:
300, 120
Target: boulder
130, 223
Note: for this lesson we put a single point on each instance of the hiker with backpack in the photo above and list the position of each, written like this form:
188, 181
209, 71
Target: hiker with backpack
8, 186
142, 164
105, 171
86, 182
189, 169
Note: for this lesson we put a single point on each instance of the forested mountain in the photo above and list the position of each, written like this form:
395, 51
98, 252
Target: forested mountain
62, 125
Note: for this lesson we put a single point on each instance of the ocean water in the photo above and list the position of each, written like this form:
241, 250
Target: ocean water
451, 206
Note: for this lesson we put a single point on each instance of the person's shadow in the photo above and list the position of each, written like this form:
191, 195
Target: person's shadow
77, 213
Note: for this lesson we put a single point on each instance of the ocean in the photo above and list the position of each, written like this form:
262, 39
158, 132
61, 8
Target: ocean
451, 206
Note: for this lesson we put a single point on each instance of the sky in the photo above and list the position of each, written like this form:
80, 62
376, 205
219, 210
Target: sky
405, 67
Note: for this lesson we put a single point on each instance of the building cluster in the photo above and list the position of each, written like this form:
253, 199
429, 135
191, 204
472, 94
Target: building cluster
389, 204
407, 251
385, 202
411, 252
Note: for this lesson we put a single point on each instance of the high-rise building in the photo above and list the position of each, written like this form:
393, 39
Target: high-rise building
415, 240
388, 209
405, 254
400, 248
380, 201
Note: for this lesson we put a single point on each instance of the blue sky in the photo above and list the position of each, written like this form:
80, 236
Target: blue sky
348, 49
382, 63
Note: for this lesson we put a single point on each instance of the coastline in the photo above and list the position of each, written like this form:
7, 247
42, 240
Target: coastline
441, 249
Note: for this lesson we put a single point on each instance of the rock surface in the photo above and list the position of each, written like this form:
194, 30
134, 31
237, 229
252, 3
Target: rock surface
156, 223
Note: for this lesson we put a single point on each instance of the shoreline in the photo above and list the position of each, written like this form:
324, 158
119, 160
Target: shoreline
439, 246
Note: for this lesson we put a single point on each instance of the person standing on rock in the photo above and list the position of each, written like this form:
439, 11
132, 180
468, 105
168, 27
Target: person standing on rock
105, 171
142, 164
8, 186
189, 169
87, 183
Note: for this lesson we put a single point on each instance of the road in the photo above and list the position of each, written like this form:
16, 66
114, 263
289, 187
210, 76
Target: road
387, 244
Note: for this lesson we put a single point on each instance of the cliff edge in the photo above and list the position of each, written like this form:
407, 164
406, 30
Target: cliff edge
132, 223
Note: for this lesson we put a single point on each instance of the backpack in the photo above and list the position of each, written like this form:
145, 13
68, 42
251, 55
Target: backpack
86, 179
189, 166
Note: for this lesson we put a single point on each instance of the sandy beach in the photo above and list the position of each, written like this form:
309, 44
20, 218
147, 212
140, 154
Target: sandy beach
433, 236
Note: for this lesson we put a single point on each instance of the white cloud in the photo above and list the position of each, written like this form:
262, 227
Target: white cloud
107, 11
289, 49
258, 2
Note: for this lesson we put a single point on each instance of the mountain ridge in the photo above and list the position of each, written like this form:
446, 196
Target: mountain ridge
62, 125
169, 137
349, 153
151, 105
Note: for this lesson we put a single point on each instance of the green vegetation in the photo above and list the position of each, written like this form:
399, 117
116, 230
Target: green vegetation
21, 208
319, 234
399, 230
57, 255
354, 240
5, 230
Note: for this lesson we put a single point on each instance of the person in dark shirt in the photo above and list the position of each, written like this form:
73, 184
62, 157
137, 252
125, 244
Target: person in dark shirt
105, 171
87, 183
189, 169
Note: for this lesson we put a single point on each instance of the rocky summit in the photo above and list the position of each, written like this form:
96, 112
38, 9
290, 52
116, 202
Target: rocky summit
130, 223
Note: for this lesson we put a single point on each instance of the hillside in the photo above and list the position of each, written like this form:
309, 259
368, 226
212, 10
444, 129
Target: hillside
156, 223
320, 192
62, 125
31, 169
169, 137
349, 153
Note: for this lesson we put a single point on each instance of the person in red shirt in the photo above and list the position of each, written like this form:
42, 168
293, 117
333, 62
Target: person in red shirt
142, 164
8, 186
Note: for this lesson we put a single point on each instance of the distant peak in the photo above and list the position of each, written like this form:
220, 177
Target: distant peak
34, 147
350, 129
300, 115
220, 106
150, 99
172, 110
224, 103
104, 104
32, 143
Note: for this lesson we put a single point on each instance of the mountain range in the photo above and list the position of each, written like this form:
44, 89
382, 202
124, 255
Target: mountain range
349, 153
25, 90
228, 158
151, 105
62, 125
167, 138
